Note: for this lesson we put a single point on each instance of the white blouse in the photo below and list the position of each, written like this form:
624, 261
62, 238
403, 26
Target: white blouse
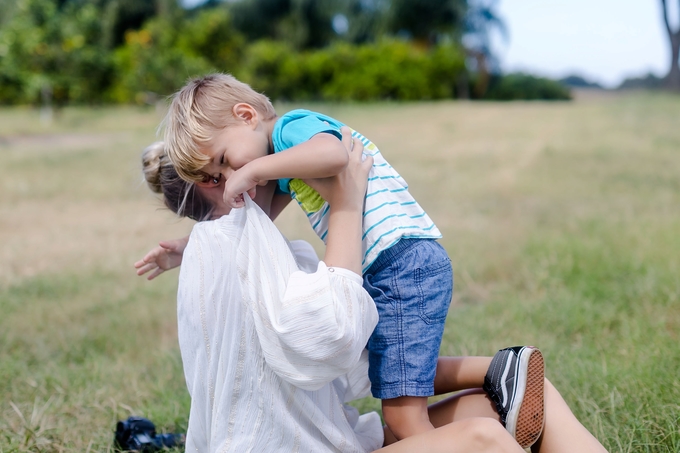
271, 353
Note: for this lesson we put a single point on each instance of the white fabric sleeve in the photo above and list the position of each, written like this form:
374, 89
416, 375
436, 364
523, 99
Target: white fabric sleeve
312, 327
305, 255
322, 327
355, 383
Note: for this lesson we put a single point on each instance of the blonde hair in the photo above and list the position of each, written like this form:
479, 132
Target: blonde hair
180, 196
203, 107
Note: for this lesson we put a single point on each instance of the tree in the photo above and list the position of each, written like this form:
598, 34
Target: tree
427, 21
673, 77
365, 20
304, 24
6, 11
480, 20
157, 59
52, 51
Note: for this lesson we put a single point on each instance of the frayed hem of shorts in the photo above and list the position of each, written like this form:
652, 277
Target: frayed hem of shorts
391, 392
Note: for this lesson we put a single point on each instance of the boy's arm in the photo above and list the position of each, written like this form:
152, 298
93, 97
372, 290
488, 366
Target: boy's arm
321, 156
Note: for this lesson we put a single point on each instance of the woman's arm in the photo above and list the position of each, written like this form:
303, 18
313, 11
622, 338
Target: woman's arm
345, 194
318, 329
321, 156
279, 202
166, 256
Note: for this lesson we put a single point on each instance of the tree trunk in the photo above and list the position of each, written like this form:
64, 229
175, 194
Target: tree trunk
672, 80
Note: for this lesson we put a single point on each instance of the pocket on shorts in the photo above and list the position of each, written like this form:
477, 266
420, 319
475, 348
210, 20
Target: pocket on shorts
435, 287
379, 287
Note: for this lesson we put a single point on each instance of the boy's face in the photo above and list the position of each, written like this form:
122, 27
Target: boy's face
233, 147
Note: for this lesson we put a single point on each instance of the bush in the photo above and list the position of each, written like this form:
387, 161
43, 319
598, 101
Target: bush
521, 86
386, 70
47, 49
576, 81
158, 59
148, 65
11, 85
647, 82
211, 35
274, 69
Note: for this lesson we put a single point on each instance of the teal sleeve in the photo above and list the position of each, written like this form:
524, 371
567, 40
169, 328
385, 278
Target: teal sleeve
299, 130
298, 127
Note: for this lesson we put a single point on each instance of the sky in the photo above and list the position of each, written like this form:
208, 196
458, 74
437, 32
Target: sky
602, 40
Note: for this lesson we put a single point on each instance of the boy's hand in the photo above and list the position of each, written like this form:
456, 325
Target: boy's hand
168, 255
239, 182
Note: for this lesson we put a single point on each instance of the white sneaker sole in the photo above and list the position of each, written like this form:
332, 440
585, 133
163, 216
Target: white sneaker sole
526, 416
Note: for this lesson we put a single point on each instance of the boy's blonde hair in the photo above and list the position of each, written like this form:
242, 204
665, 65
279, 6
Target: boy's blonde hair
200, 110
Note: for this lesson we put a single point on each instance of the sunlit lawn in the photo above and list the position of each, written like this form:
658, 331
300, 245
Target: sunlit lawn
562, 220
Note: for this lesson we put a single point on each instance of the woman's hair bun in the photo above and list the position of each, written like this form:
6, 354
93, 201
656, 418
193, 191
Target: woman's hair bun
153, 159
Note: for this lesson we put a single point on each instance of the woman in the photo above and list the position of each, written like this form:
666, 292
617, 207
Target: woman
271, 354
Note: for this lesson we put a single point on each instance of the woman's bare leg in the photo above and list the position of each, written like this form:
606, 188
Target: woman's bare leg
481, 435
453, 374
562, 432
466, 404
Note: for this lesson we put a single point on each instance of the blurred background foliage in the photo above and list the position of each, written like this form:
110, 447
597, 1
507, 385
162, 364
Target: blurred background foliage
55, 52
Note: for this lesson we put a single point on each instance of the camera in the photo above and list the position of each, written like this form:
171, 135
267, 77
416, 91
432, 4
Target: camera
139, 434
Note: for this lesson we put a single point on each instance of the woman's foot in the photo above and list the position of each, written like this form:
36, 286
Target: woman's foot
514, 382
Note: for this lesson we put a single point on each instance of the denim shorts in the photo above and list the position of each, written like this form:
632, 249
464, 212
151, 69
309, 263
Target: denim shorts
411, 284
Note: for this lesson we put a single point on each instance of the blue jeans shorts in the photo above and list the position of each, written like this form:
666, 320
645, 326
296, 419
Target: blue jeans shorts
411, 284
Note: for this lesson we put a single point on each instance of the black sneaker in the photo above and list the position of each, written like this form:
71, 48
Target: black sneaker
514, 382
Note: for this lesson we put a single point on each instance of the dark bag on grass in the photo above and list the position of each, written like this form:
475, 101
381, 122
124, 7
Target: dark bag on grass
139, 434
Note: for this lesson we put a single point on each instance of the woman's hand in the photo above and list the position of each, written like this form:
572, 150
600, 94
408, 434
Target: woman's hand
168, 255
345, 193
347, 189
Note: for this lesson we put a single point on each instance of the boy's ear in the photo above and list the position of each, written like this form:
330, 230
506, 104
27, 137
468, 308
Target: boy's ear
245, 112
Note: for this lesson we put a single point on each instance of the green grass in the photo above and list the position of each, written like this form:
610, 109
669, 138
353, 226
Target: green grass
83, 351
561, 219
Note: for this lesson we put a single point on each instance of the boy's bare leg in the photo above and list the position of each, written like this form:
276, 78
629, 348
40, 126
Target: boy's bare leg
460, 373
406, 416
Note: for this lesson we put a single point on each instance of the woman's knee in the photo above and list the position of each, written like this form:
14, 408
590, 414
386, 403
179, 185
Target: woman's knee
486, 434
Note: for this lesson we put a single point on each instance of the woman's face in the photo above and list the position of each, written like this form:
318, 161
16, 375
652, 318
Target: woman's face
213, 191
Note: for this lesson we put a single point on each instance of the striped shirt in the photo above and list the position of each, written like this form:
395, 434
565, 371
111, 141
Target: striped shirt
390, 212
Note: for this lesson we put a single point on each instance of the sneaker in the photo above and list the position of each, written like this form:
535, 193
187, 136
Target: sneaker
514, 382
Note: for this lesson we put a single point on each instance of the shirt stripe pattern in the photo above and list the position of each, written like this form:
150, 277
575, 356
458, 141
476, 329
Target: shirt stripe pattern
390, 212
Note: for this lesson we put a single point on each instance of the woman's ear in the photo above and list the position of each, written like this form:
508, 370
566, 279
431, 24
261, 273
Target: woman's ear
245, 112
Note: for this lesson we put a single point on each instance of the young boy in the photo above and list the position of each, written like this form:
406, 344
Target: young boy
219, 127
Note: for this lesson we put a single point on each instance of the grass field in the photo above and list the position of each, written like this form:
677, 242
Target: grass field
562, 221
